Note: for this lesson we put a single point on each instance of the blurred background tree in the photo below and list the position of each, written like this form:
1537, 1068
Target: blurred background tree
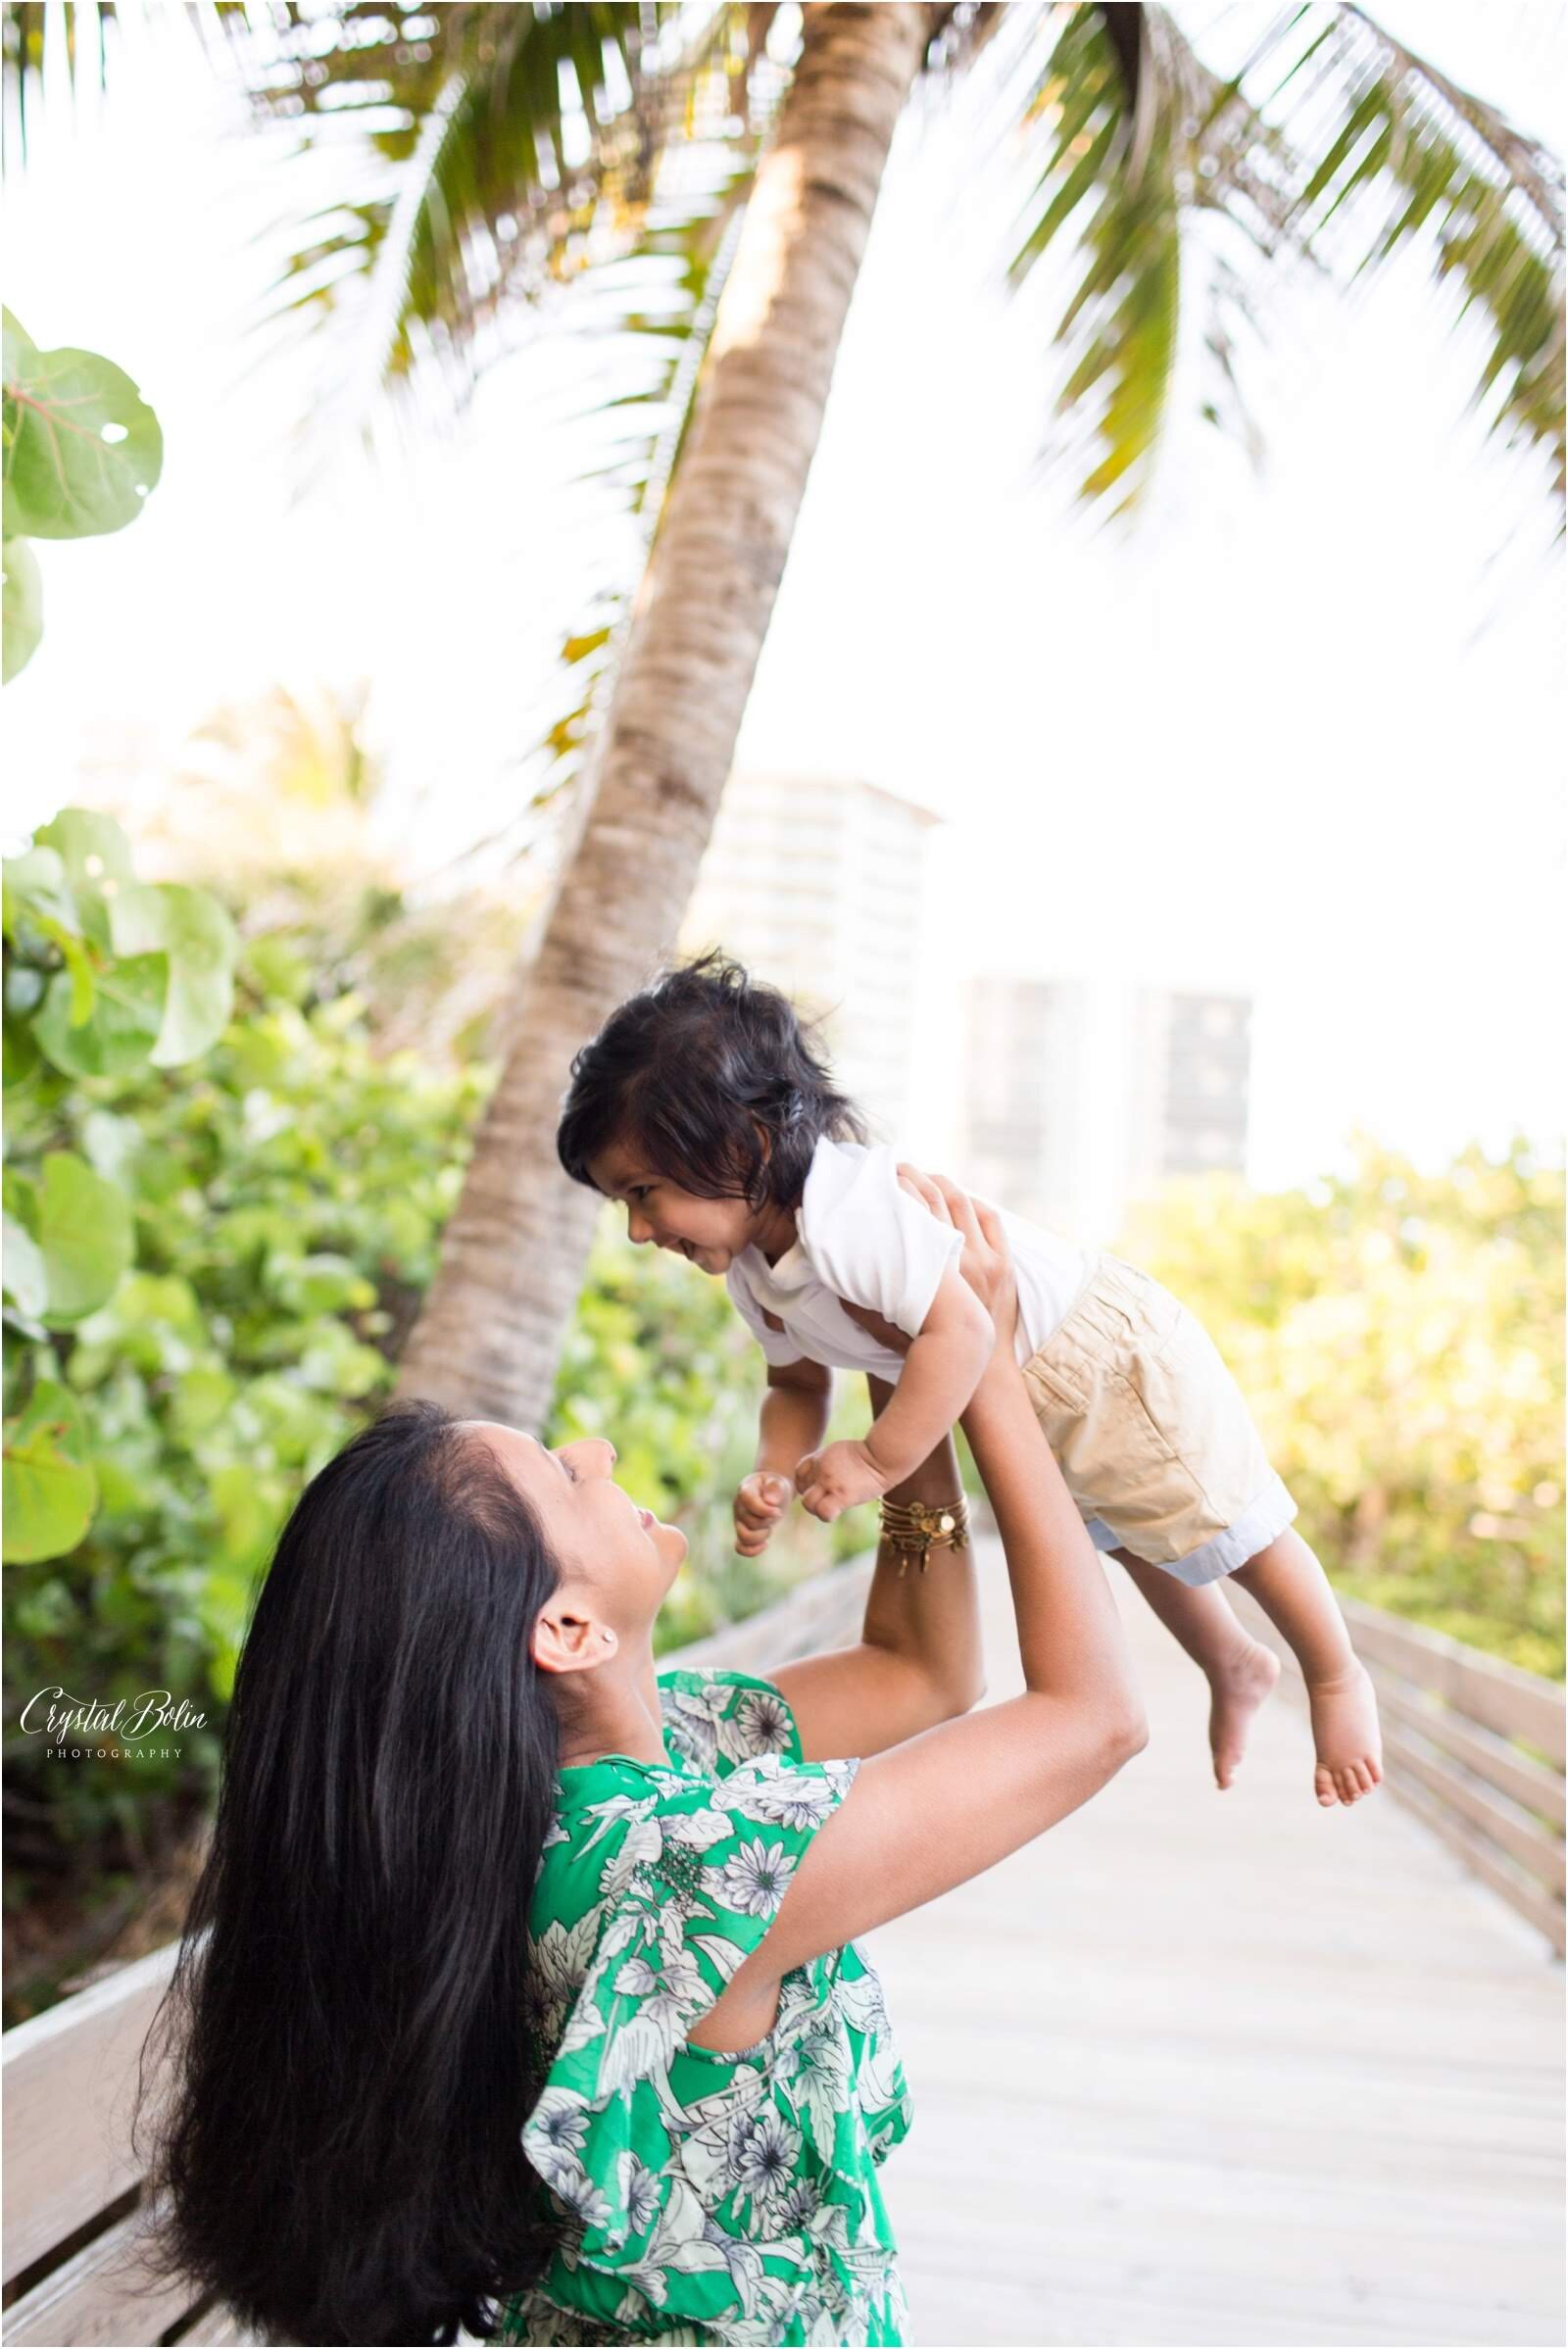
1400, 1336
278, 807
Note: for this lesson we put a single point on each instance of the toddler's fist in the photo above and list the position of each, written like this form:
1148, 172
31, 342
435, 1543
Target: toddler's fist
760, 1502
834, 1480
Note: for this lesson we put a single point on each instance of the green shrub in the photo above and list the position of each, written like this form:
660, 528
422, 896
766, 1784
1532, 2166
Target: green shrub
284, 1203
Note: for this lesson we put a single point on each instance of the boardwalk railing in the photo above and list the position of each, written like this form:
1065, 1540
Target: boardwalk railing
72, 2221
1475, 1747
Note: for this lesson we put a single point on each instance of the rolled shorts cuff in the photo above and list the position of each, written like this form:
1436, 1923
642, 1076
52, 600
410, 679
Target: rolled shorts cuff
1264, 1517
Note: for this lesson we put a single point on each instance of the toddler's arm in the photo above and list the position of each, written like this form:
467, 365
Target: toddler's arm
793, 1422
941, 1372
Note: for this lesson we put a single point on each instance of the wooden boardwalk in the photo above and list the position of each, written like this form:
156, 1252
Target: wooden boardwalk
1224, 2068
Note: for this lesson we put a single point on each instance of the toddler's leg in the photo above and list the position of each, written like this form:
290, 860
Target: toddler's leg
1240, 1670
1292, 1587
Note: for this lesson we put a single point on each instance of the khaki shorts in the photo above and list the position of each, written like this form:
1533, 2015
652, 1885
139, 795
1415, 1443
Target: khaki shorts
1157, 1447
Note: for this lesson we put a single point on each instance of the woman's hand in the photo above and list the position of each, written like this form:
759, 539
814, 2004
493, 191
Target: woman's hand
987, 1262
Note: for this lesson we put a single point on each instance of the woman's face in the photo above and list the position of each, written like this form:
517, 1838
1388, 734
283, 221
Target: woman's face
623, 1557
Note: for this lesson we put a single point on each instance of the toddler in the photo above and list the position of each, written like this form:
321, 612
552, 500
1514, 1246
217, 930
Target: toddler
702, 1105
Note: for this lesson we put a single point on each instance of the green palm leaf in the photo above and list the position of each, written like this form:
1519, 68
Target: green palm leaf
1128, 122
1413, 157
1331, 141
487, 147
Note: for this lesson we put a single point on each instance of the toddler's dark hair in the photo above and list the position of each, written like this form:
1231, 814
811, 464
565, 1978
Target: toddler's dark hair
696, 1070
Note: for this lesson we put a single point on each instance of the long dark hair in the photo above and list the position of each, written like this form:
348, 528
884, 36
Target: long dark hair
344, 2032
696, 1070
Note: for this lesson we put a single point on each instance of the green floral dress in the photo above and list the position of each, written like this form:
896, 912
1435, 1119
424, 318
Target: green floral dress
703, 2198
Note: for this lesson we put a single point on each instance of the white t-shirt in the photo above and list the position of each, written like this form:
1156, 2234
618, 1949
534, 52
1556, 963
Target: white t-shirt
863, 1238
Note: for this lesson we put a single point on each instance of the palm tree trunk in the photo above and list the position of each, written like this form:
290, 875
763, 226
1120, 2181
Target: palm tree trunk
512, 1258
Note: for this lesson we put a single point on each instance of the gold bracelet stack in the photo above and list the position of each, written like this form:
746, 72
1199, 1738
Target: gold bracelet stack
916, 1528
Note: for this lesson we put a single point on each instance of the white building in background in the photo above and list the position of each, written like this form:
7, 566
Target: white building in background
817, 883
1081, 1092
1062, 1098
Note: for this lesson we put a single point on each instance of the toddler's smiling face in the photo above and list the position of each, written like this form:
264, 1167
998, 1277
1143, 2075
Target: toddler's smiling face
709, 1233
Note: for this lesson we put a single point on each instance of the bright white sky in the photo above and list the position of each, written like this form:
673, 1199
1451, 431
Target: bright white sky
1298, 734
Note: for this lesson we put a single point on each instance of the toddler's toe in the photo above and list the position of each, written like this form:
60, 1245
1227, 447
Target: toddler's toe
1323, 1782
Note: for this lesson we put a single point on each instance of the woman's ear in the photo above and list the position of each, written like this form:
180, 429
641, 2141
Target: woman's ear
564, 1642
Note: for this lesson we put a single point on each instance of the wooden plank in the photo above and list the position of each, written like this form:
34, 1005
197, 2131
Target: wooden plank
1482, 1750
69, 2078
1514, 1703
1184, 1995
99, 2296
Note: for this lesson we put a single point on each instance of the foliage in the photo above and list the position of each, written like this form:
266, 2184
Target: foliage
285, 1200
1120, 147
276, 805
1400, 1337
1331, 141
1410, 155
504, 150
105, 976
82, 450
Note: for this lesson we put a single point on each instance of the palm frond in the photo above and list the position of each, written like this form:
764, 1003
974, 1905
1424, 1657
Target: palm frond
31, 33
1130, 123
1406, 158
1330, 140
469, 156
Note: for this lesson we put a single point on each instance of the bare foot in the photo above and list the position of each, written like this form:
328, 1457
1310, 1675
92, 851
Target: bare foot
1238, 1688
1345, 1730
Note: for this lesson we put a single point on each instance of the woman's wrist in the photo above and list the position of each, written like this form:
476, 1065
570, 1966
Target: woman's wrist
998, 1401
936, 1478
912, 1529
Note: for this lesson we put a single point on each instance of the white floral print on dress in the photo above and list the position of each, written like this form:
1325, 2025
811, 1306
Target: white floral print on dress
703, 2198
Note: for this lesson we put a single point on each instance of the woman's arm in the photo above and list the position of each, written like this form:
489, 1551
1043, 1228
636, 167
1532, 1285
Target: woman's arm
951, 1802
918, 1661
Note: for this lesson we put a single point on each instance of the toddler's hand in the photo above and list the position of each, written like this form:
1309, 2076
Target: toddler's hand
831, 1481
760, 1502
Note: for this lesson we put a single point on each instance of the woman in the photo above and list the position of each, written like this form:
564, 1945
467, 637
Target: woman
657, 2116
